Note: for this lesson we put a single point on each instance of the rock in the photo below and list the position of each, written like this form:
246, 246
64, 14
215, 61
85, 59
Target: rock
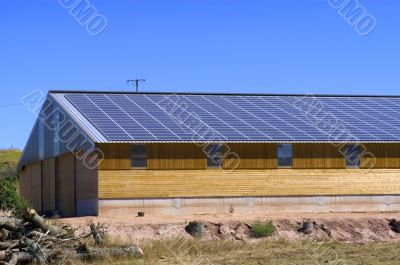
195, 229
238, 237
395, 225
240, 233
224, 230
326, 229
307, 228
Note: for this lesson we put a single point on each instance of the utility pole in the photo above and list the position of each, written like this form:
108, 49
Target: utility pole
136, 81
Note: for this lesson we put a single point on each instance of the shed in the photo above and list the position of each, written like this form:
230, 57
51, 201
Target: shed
117, 153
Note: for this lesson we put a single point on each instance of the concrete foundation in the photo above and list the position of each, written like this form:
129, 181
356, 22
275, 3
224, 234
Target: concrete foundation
316, 204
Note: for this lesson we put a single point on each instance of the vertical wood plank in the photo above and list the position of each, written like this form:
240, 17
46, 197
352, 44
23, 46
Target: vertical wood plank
66, 185
37, 186
116, 156
175, 156
250, 156
317, 155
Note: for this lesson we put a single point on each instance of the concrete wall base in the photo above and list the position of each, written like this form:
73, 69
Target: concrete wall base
185, 206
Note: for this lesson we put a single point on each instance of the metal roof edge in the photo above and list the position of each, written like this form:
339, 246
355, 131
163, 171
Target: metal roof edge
275, 141
216, 94
88, 127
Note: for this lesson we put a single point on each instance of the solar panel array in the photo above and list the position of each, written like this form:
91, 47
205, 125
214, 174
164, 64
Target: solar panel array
170, 117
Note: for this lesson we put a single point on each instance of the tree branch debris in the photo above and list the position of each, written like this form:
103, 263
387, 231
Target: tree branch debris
33, 239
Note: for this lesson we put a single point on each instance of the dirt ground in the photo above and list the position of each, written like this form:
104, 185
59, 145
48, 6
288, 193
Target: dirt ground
338, 227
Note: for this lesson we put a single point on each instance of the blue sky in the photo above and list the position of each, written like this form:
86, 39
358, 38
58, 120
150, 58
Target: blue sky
204, 45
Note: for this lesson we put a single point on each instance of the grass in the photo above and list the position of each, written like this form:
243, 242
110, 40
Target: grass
10, 156
8, 163
184, 251
9, 197
262, 229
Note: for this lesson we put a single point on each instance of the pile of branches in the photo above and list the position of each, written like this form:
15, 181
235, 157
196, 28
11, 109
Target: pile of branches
32, 239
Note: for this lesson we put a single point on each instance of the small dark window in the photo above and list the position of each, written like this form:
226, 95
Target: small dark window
284, 155
139, 156
353, 155
214, 155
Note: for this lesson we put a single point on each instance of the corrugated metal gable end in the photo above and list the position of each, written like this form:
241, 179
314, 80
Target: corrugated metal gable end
43, 142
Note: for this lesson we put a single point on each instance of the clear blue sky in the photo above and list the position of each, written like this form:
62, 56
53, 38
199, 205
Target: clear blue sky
250, 46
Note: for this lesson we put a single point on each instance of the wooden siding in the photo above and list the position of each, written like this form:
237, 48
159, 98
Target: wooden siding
25, 185
31, 185
66, 185
116, 156
175, 156
381, 156
49, 185
280, 182
250, 156
37, 187
317, 156
86, 182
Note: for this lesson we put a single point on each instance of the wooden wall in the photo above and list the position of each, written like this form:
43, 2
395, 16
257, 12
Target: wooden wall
31, 185
25, 184
49, 184
116, 156
37, 186
86, 182
124, 184
317, 156
384, 156
250, 156
175, 156
318, 169
66, 185
160, 156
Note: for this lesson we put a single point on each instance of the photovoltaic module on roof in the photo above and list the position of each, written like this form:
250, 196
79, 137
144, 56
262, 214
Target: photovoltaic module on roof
239, 118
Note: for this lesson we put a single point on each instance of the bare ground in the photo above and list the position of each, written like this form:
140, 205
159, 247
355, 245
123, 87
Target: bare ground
338, 227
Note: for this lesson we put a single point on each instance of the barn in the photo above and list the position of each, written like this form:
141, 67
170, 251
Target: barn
118, 153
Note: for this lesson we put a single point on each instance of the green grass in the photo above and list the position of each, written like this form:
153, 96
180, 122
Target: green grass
262, 229
9, 197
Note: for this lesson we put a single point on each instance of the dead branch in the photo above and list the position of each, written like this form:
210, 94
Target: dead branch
20, 258
98, 235
37, 221
9, 223
3, 255
33, 240
10, 245
133, 251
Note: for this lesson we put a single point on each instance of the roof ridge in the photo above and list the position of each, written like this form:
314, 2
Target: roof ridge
216, 94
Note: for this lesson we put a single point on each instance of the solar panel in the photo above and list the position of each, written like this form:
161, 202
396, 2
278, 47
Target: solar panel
171, 117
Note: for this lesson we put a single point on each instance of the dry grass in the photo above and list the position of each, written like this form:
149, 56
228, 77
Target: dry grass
183, 251
9, 155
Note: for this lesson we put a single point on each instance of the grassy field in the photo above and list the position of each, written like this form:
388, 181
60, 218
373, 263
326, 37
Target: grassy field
263, 252
10, 156
8, 164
